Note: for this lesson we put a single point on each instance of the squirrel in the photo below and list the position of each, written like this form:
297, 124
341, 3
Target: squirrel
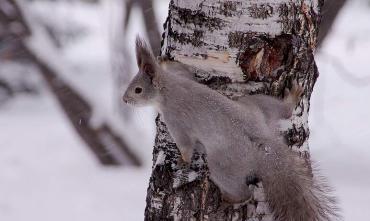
282, 109
274, 110
236, 136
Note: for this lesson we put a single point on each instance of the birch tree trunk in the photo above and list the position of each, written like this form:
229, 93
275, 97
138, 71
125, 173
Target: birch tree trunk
238, 47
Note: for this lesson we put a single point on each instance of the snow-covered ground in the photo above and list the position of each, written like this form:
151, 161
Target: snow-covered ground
47, 173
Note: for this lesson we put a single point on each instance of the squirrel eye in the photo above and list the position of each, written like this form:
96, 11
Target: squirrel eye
138, 90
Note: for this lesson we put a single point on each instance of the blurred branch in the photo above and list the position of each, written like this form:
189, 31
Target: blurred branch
151, 25
344, 73
121, 59
330, 11
5, 91
12, 19
128, 7
16, 79
107, 146
102, 141
12, 29
356, 40
150, 21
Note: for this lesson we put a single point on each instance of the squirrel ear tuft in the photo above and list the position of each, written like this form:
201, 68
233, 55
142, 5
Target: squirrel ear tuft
144, 57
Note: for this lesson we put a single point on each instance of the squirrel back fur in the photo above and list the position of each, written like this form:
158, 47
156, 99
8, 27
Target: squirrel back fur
239, 143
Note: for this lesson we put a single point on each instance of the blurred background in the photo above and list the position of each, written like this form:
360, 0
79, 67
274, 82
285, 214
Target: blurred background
70, 150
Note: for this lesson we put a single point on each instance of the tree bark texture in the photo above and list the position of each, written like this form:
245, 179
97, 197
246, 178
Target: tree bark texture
238, 47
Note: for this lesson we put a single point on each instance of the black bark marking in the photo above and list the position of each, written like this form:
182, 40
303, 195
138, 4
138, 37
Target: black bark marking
198, 18
296, 135
194, 39
238, 39
213, 81
229, 8
262, 11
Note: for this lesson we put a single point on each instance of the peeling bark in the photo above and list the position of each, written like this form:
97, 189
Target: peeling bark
237, 47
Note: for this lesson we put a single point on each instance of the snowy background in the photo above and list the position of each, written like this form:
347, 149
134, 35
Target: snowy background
47, 173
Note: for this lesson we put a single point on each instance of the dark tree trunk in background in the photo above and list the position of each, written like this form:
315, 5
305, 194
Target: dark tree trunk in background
150, 21
103, 141
330, 11
238, 47
12, 30
151, 25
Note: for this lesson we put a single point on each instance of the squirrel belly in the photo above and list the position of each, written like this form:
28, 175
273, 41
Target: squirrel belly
236, 136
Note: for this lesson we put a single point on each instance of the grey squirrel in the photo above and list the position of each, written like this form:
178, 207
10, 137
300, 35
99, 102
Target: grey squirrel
273, 109
236, 136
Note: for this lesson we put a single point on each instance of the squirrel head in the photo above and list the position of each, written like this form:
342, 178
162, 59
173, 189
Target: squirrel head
144, 88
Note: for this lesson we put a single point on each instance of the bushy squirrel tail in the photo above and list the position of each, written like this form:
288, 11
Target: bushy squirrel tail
296, 192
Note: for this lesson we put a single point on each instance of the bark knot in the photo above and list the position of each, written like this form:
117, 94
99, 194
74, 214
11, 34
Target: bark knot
261, 11
262, 58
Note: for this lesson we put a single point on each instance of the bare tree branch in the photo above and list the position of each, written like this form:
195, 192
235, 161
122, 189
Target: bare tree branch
106, 145
150, 21
151, 25
128, 8
344, 73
